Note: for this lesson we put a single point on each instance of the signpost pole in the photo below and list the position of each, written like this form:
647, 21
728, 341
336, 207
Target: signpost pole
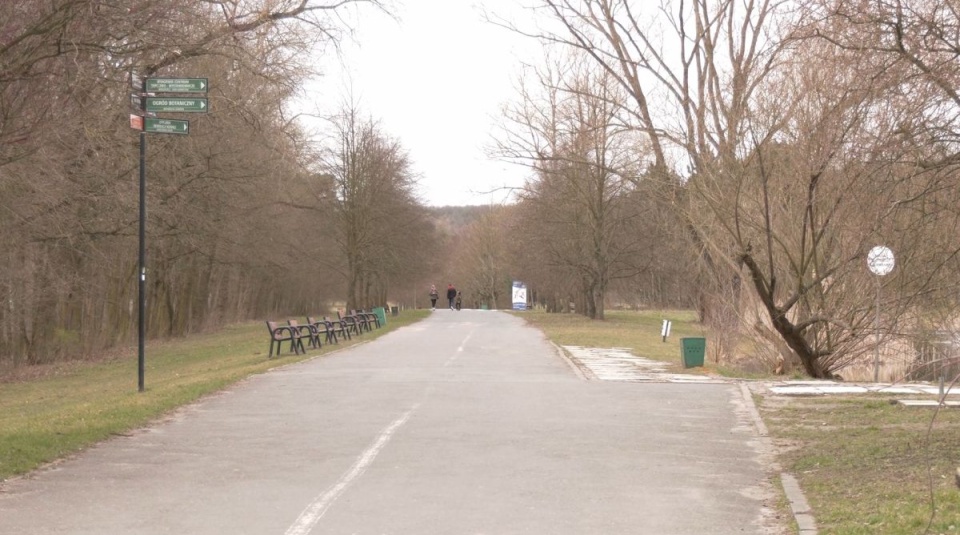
159, 126
876, 331
880, 261
142, 264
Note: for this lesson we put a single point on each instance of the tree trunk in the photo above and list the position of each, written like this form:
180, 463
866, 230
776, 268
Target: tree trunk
793, 336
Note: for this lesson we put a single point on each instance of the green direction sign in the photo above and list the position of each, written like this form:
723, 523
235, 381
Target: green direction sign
183, 105
176, 85
166, 126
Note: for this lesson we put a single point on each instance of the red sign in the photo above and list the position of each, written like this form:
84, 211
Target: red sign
136, 122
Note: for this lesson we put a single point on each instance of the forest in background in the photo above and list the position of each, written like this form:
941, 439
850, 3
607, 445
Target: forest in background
249, 216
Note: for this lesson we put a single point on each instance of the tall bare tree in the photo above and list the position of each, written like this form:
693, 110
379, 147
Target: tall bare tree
586, 164
481, 258
379, 221
690, 70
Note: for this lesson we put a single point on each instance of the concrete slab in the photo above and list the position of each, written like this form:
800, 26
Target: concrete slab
801, 390
817, 388
926, 403
935, 390
895, 390
619, 364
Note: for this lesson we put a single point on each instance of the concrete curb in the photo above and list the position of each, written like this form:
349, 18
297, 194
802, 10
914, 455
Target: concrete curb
582, 372
802, 515
798, 504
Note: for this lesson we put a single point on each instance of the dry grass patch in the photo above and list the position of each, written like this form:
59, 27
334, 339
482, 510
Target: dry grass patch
868, 465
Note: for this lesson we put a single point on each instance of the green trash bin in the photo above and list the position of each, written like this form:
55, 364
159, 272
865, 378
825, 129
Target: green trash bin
381, 314
692, 351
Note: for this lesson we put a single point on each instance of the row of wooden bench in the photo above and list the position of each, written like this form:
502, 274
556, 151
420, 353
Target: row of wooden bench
330, 330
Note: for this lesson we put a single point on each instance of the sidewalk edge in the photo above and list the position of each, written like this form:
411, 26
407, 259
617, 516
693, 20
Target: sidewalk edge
806, 523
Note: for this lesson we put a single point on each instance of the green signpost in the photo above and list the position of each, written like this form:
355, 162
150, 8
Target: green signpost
166, 126
176, 104
147, 105
176, 85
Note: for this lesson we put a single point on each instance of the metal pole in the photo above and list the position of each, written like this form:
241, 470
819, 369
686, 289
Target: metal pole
876, 331
142, 271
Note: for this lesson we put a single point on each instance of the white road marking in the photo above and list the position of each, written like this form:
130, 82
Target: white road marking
459, 350
315, 510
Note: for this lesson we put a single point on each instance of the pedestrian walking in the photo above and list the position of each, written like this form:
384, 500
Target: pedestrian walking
459, 299
451, 294
434, 295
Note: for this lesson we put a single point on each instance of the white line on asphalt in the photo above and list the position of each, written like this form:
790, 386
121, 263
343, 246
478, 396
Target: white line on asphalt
459, 350
315, 511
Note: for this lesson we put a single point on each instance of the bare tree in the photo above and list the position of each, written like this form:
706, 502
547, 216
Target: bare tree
586, 164
835, 166
691, 71
907, 51
378, 219
481, 258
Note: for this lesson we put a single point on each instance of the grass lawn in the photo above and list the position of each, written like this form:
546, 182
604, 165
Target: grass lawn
637, 331
46, 418
868, 465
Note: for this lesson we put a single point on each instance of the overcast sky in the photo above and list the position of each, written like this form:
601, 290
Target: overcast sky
435, 79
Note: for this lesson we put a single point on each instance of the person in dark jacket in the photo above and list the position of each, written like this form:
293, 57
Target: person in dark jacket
451, 294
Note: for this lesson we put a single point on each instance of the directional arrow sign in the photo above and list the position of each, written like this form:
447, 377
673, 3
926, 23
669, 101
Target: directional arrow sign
177, 85
183, 105
166, 126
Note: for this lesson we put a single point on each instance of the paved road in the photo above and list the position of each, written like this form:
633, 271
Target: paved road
466, 423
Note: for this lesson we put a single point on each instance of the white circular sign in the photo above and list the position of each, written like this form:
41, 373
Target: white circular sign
880, 260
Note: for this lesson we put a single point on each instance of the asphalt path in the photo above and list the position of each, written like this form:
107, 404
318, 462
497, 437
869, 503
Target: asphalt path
468, 422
